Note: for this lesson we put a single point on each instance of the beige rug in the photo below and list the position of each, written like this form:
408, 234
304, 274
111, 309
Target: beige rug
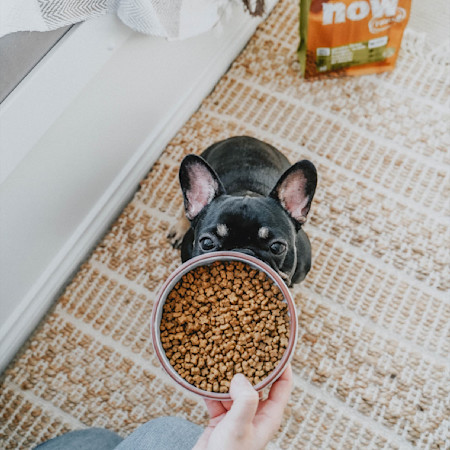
372, 366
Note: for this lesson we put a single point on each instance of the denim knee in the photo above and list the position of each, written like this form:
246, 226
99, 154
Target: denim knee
88, 439
163, 433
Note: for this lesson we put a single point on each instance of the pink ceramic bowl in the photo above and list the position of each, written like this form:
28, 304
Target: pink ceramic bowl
205, 260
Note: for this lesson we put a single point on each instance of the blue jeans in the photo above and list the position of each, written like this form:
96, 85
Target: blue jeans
165, 433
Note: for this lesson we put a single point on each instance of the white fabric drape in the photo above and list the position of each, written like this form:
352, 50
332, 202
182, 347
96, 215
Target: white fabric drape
171, 19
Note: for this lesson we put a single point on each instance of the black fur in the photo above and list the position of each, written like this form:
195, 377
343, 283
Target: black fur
249, 187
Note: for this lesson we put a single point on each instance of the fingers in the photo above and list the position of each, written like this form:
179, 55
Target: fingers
248, 420
271, 410
282, 388
215, 408
245, 401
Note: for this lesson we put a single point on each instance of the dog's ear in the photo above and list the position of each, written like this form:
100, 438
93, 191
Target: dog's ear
199, 183
295, 190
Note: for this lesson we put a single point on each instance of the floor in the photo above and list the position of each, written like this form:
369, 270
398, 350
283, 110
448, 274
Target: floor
371, 365
21, 51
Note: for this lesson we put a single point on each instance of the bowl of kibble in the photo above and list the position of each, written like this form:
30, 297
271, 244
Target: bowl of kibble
219, 314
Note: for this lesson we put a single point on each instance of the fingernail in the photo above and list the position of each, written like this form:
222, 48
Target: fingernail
241, 380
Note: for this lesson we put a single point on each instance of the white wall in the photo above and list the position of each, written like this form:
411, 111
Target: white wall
76, 138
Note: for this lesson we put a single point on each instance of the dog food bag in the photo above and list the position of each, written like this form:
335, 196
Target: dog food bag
348, 37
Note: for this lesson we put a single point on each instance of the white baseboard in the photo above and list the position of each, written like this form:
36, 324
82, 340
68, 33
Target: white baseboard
87, 161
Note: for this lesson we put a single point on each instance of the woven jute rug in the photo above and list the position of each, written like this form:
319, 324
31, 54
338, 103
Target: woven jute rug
372, 366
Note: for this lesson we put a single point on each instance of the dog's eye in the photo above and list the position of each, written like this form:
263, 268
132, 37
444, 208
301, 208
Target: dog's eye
277, 248
207, 243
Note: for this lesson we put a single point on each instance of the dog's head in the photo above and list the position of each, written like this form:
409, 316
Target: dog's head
264, 227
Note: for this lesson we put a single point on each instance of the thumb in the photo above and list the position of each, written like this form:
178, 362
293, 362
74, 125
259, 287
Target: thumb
245, 401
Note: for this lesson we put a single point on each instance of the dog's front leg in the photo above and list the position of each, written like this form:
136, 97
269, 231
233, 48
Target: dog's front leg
178, 230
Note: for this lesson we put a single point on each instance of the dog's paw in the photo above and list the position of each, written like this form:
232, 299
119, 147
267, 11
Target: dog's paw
177, 231
175, 238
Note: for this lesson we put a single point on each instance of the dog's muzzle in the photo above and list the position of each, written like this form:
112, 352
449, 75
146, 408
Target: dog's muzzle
286, 278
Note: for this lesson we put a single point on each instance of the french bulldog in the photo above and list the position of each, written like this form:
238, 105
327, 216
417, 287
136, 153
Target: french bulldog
243, 195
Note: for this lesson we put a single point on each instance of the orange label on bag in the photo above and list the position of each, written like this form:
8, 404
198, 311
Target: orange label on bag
350, 37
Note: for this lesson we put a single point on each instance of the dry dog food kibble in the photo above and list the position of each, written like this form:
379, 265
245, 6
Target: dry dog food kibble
222, 319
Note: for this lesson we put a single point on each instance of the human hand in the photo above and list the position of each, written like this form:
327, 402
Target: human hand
246, 423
